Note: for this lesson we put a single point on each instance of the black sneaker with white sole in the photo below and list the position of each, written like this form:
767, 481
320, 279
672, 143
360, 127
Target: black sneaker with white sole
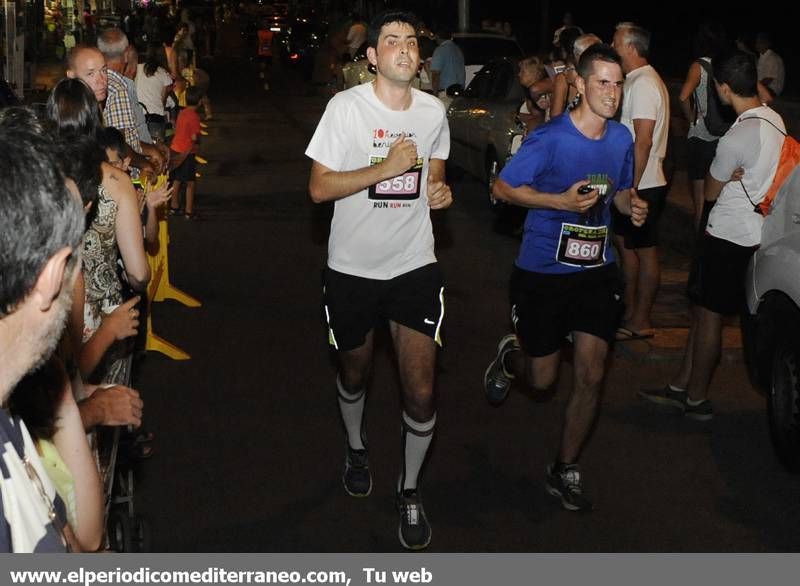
566, 485
357, 479
496, 379
669, 397
414, 530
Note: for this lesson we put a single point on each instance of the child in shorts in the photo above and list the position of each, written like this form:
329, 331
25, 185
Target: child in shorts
187, 134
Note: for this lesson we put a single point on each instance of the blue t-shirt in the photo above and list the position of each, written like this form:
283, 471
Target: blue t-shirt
553, 158
448, 60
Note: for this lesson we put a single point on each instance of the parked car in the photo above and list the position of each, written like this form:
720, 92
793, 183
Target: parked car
484, 127
771, 327
481, 48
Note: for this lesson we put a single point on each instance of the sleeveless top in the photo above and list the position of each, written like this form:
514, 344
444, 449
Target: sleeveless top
698, 129
103, 287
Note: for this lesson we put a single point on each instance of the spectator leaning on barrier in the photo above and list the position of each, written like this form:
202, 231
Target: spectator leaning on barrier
122, 108
89, 65
41, 225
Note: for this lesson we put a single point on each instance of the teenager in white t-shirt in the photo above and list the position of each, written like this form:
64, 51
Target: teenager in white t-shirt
645, 112
379, 153
740, 175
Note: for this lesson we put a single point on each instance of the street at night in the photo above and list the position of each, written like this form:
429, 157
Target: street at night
249, 445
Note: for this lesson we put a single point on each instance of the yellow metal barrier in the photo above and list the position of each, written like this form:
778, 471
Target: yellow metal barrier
160, 287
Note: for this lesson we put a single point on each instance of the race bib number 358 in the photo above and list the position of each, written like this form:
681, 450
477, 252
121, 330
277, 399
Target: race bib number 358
582, 246
402, 187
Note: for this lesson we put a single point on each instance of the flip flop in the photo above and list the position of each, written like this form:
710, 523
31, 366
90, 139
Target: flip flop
628, 335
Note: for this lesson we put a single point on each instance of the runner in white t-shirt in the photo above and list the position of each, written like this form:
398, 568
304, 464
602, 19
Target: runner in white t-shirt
742, 171
379, 153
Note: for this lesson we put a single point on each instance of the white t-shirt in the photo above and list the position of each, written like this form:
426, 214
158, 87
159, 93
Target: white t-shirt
149, 89
770, 64
646, 98
754, 145
385, 230
25, 525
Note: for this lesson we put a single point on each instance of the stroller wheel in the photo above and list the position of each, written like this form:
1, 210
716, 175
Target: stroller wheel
120, 533
142, 536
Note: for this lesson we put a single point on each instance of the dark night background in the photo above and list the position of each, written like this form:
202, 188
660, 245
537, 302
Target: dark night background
673, 25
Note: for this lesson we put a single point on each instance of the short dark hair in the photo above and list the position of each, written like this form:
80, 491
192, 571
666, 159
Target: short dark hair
111, 138
738, 70
38, 214
73, 108
194, 94
386, 17
596, 52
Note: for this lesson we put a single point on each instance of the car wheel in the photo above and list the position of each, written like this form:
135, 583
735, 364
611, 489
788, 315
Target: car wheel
783, 406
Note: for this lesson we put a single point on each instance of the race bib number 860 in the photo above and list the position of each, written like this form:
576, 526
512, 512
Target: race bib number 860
582, 246
402, 187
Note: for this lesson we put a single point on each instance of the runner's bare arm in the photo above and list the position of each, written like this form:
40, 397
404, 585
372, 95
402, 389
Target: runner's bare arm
328, 185
439, 194
526, 196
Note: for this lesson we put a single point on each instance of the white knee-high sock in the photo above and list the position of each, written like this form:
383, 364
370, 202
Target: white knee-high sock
417, 437
351, 406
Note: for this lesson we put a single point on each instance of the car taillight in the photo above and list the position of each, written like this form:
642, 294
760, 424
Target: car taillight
294, 57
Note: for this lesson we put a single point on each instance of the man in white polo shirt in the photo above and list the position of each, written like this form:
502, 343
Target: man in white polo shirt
645, 111
740, 175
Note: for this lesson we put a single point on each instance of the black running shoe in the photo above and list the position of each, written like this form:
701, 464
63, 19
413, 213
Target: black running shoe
414, 530
567, 486
496, 379
356, 478
669, 397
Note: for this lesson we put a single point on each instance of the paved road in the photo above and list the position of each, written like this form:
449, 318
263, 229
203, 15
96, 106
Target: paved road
249, 445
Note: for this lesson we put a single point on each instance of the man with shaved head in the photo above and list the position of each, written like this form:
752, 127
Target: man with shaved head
102, 73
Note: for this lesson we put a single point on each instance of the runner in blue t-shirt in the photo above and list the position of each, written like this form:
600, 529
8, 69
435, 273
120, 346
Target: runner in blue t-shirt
568, 173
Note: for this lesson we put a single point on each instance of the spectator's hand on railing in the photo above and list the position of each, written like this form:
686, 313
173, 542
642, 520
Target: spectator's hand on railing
112, 406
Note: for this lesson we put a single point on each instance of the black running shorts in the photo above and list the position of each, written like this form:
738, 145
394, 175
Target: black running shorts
355, 305
716, 279
545, 307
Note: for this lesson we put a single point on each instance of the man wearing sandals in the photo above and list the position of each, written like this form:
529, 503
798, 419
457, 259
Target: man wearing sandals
740, 175
568, 172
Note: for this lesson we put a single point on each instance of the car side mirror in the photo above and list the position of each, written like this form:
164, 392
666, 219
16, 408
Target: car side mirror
455, 90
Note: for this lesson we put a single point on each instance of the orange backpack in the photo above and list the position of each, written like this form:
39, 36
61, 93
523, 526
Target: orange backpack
789, 159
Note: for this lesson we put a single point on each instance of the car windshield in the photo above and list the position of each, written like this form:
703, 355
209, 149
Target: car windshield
479, 50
